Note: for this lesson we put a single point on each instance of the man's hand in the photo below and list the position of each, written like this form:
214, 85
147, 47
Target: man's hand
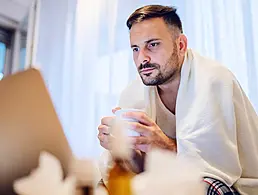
151, 134
137, 161
103, 128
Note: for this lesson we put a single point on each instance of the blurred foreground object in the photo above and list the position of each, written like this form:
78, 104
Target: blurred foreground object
120, 175
29, 125
85, 173
167, 174
47, 179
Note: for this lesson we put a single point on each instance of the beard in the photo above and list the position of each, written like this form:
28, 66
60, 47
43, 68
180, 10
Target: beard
172, 67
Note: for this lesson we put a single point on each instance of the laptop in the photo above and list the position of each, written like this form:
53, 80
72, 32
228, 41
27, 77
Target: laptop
28, 125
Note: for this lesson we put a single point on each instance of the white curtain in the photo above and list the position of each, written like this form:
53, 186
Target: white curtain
84, 54
225, 31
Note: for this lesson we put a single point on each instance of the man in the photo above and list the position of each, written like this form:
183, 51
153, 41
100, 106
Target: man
194, 106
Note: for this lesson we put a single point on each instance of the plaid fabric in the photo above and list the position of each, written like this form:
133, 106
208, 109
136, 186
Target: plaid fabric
216, 187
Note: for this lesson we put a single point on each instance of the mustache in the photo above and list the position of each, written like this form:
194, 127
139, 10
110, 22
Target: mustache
147, 65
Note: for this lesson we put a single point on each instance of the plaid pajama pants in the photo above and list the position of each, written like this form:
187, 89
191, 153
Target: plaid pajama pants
216, 187
213, 187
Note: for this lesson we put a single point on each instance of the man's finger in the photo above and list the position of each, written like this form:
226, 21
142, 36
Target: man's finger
108, 120
104, 129
105, 145
139, 116
140, 140
138, 127
115, 109
142, 147
103, 139
141, 143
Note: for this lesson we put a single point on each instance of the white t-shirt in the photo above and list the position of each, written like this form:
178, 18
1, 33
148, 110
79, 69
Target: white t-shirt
165, 119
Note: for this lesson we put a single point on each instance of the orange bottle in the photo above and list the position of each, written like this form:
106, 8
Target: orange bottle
120, 175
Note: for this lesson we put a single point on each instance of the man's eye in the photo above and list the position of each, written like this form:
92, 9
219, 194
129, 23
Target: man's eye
135, 49
154, 44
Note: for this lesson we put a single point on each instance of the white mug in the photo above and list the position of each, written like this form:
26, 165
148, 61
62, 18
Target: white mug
119, 114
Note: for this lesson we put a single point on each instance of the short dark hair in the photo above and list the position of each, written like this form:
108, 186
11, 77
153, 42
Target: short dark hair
168, 14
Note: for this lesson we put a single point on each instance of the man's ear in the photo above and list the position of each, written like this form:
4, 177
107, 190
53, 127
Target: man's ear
182, 44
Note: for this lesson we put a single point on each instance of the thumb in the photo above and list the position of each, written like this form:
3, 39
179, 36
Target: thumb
115, 109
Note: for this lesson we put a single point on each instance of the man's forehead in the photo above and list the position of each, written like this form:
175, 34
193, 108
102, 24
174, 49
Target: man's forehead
147, 30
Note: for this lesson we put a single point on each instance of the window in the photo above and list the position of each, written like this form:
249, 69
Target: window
2, 59
22, 57
5, 52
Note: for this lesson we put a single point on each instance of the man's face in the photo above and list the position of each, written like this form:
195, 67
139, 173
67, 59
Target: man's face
155, 51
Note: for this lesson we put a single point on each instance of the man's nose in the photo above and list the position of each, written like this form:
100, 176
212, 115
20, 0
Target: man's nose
143, 57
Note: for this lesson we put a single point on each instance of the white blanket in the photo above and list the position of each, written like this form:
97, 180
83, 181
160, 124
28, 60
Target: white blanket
215, 122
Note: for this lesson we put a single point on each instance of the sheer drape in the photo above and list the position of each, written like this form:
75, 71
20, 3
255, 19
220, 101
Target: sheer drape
84, 54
